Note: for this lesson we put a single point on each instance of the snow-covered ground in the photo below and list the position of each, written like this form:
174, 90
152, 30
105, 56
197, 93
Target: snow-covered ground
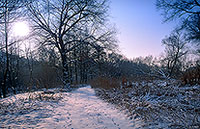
79, 109
158, 103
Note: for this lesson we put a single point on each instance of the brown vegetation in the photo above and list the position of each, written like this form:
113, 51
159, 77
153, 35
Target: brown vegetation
42, 76
120, 82
191, 76
105, 82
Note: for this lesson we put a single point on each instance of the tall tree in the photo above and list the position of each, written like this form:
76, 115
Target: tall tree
58, 22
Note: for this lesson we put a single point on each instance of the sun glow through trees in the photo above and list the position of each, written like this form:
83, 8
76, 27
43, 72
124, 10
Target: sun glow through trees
21, 29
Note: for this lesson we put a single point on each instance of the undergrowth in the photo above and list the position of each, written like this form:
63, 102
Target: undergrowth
23, 103
163, 104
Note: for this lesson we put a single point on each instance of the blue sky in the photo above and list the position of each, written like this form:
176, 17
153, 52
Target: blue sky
140, 27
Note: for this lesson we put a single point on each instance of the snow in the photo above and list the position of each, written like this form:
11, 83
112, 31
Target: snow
79, 109
158, 103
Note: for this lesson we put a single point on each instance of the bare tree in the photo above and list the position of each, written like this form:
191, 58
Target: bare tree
188, 11
175, 49
59, 21
8, 9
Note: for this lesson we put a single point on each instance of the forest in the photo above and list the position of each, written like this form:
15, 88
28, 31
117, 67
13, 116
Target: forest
73, 42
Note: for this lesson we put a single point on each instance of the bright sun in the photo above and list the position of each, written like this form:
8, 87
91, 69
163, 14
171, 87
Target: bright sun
21, 29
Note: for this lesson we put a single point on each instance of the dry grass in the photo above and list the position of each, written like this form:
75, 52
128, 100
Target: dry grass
27, 102
191, 76
105, 83
158, 103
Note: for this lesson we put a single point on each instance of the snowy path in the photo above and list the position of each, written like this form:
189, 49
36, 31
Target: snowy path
80, 109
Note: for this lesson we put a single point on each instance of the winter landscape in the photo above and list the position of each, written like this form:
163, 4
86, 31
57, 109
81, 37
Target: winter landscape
100, 64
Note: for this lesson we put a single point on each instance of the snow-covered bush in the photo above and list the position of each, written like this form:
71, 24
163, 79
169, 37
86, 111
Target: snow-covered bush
27, 102
163, 104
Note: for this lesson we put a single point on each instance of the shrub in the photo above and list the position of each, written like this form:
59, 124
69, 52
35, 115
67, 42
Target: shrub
191, 75
105, 82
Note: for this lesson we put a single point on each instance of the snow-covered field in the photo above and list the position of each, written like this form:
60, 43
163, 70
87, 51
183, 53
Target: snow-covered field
79, 109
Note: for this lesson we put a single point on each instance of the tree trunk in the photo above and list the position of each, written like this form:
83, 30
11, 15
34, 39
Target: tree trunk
76, 72
173, 66
65, 69
0, 89
7, 56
